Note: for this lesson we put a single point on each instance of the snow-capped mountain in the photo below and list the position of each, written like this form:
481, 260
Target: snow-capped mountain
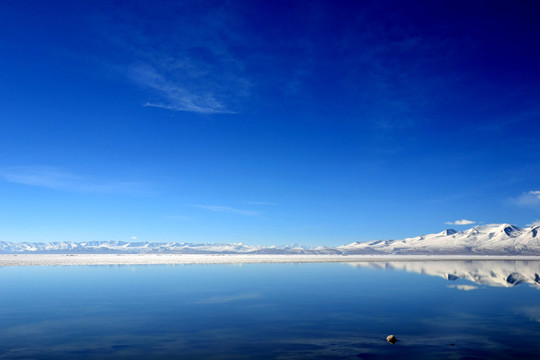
124, 247
108, 247
497, 239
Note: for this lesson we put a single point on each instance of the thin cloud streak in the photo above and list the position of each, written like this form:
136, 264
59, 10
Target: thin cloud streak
190, 69
226, 209
261, 203
178, 217
178, 98
57, 179
530, 198
38, 176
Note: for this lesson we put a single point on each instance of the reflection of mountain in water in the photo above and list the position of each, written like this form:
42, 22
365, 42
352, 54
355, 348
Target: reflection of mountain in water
491, 273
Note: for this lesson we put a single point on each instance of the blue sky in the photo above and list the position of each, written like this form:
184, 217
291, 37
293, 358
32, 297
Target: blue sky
266, 122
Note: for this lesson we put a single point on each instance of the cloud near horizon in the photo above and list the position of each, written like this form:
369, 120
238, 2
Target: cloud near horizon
463, 287
460, 222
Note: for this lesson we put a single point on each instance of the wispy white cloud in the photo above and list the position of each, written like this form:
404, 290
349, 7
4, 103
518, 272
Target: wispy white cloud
460, 222
503, 122
177, 97
59, 179
534, 223
531, 198
38, 176
261, 203
226, 209
195, 66
178, 217
463, 287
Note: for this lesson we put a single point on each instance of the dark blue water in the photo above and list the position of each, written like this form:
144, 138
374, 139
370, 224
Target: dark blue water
267, 311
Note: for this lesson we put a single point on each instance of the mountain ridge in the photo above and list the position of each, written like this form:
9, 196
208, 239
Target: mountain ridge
492, 239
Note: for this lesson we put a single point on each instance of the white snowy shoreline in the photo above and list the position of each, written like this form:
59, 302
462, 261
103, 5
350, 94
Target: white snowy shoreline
170, 259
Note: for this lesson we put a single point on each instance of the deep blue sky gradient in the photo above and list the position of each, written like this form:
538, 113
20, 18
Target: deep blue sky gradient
266, 122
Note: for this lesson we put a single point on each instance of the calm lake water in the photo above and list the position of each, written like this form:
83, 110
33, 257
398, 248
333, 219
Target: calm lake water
271, 311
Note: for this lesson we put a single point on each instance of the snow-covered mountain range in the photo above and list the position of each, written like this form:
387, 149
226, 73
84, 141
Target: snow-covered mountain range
495, 239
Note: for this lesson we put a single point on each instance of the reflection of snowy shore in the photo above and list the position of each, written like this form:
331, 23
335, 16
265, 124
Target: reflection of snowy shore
443, 265
491, 273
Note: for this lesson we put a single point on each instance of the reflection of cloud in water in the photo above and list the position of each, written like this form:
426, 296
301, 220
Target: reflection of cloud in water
228, 299
463, 287
491, 273
531, 312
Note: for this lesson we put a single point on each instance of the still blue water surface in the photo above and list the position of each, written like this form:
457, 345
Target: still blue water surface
265, 311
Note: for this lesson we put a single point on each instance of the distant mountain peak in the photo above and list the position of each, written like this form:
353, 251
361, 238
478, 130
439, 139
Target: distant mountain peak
509, 227
492, 239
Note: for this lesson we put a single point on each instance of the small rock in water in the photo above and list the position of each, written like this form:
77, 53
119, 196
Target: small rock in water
391, 339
